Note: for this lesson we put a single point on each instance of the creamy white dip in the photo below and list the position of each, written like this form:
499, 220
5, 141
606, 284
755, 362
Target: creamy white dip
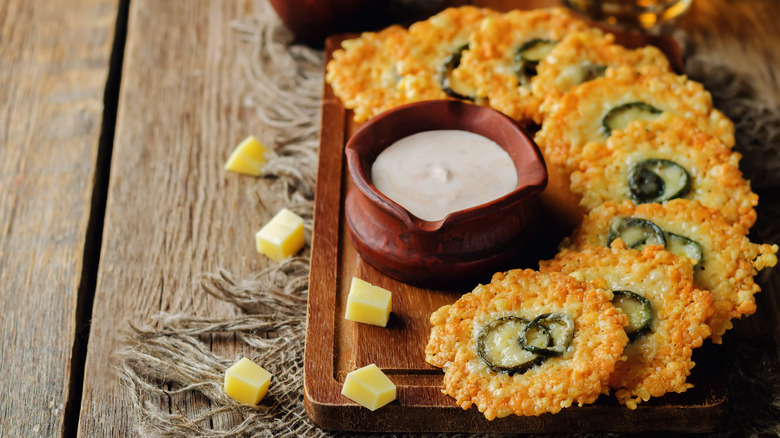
434, 173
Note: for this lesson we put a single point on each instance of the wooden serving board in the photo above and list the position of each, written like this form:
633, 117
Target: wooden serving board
335, 346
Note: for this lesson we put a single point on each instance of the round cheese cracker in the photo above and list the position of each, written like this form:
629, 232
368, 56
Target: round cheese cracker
582, 114
494, 67
658, 361
583, 56
578, 375
382, 70
729, 260
616, 170
436, 47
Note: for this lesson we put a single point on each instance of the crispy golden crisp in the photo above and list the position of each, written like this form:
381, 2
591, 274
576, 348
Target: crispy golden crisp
580, 56
577, 119
490, 62
382, 70
432, 43
578, 376
660, 361
716, 180
363, 73
729, 259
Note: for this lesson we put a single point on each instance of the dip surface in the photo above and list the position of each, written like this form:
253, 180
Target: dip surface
434, 173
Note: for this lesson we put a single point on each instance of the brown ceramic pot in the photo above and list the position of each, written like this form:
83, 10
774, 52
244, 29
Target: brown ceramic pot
465, 244
311, 21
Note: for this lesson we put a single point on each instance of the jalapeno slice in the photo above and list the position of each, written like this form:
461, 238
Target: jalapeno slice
528, 56
658, 180
620, 116
639, 311
498, 346
683, 246
636, 232
559, 326
449, 85
591, 71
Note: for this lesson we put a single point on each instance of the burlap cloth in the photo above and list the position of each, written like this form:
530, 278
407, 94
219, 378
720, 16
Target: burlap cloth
172, 357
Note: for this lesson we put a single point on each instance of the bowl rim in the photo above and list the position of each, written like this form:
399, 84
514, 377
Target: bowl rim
532, 173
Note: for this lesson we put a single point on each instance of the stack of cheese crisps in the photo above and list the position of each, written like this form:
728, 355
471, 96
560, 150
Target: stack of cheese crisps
661, 260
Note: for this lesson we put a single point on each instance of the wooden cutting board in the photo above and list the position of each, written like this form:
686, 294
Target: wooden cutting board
335, 346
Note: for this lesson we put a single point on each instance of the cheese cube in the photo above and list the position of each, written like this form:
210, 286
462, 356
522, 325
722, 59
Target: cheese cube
369, 387
368, 304
282, 236
247, 158
247, 382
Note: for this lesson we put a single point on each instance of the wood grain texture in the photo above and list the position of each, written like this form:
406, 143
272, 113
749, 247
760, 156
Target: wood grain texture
172, 212
54, 64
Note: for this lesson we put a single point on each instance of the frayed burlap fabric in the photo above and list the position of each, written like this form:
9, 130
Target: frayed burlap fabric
171, 358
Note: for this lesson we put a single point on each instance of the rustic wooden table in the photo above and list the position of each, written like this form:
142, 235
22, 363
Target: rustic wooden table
116, 117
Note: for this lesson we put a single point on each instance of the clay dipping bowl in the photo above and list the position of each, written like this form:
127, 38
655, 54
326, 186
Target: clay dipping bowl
465, 245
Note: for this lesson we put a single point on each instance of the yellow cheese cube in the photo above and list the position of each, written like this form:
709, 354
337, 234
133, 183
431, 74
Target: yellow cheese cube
368, 304
247, 158
369, 386
247, 382
282, 236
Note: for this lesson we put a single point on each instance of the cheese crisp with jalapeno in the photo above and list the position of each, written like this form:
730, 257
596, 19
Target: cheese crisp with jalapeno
583, 56
592, 111
382, 70
437, 45
665, 159
667, 314
504, 53
527, 343
725, 259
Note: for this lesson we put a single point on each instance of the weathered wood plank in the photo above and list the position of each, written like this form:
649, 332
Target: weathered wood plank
172, 212
54, 63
